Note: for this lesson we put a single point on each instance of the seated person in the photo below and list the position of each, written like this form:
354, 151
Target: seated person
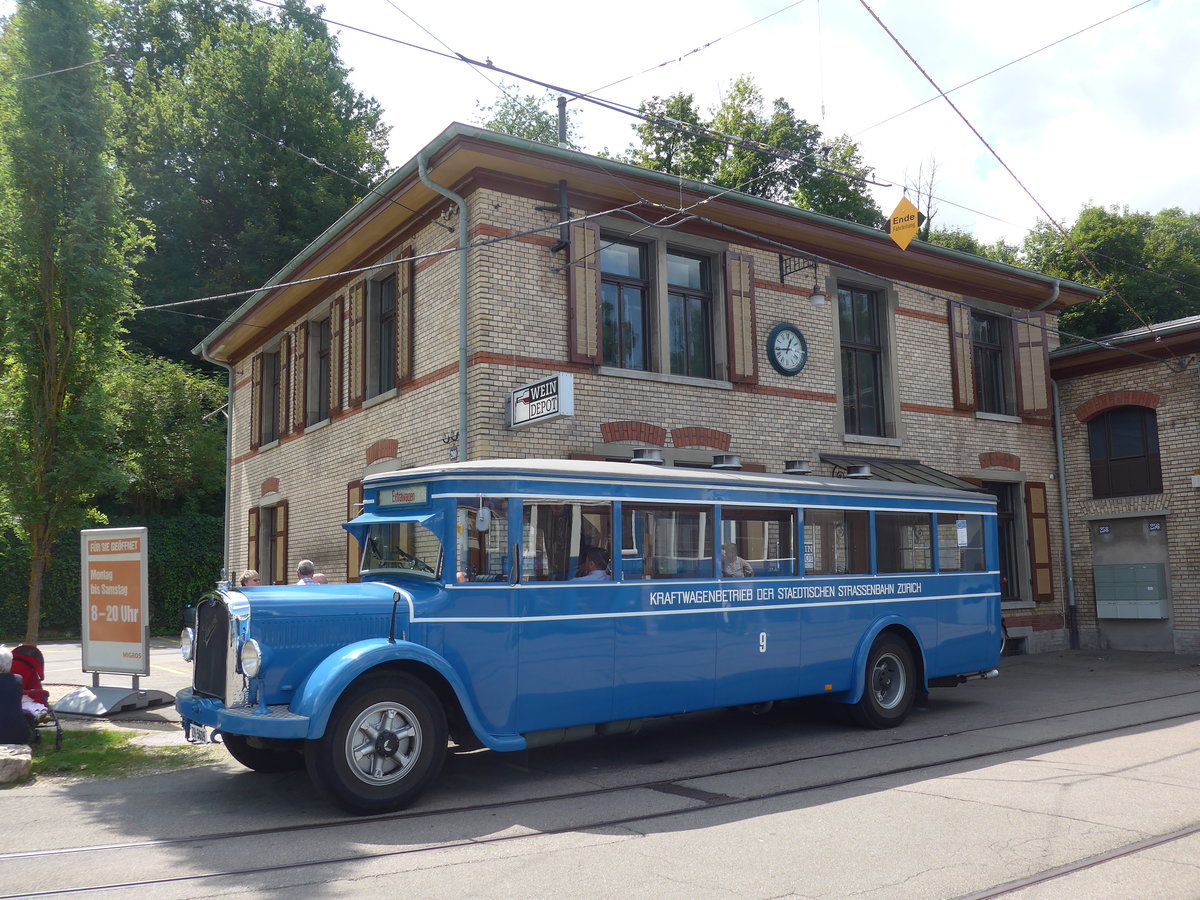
14, 728
594, 566
733, 565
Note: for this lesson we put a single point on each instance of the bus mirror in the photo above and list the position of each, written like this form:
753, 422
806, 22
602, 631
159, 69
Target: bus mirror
483, 519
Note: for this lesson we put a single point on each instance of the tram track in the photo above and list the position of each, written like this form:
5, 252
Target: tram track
680, 787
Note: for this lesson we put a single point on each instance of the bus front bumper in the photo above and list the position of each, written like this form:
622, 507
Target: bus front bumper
277, 722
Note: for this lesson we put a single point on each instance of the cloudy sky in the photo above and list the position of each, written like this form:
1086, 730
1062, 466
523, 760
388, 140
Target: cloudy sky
1109, 116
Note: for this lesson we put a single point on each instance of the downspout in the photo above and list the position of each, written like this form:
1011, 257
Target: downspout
1053, 297
226, 573
1072, 618
463, 239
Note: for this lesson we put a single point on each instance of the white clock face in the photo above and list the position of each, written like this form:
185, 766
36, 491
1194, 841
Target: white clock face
788, 350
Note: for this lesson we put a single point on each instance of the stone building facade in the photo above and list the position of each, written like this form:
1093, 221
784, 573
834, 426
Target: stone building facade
663, 300
1130, 412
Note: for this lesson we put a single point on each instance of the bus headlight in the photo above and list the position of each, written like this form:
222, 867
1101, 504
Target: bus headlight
187, 644
251, 658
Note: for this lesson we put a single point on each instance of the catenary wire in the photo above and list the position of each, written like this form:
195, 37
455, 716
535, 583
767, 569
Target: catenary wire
1079, 251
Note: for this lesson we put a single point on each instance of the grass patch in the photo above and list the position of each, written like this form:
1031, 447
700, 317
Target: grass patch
100, 752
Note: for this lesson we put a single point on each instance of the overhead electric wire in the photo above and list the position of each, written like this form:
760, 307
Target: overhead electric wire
1079, 251
612, 106
94, 62
692, 52
1005, 66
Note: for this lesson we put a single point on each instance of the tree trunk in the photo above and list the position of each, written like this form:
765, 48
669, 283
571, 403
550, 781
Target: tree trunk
39, 546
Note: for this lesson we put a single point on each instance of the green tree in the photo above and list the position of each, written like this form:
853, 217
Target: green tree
65, 280
170, 436
527, 116
243, 140
1148, 263
771, 154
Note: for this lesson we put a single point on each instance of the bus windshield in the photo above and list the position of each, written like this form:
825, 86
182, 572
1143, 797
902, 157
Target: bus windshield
407, 547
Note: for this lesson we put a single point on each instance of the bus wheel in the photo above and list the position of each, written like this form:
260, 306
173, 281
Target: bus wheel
260, 758
384, 744
890, 684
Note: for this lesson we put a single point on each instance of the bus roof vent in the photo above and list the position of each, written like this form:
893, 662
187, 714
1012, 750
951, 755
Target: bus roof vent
797, 467
649, 456
858, 471
727, 461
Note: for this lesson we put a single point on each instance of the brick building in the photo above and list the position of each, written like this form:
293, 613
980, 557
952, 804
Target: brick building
382, 346
1130, 412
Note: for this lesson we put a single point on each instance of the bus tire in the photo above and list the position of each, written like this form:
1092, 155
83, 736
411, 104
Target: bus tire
890, 684
263, 759
384, 745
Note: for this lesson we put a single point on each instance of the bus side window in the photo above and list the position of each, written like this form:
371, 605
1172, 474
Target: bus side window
837, 542
482, 540
960, 543
675, 542
903, 542
557, 536
757, 542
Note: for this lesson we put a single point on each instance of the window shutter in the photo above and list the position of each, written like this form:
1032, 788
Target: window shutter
583, 294
739, 316
404, 319
252, 541
285, 384
1033, 365
1039, 541
281, 575
358, 344
256, 383
301, 417
337, 316
354, 497
962, 359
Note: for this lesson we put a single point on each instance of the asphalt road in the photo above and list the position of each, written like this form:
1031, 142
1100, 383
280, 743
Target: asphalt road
1072, 775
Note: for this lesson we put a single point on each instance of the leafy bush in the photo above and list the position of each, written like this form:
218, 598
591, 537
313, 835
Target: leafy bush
185, 561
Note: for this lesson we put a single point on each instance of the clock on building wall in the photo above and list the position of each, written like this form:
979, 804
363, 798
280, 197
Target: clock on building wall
786, 349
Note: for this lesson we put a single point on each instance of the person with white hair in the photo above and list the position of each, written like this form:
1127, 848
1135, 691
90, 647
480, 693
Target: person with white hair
14, 727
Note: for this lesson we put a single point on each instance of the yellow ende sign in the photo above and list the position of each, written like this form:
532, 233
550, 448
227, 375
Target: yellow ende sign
903, 224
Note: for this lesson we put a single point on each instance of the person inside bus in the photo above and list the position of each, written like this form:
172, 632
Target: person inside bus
732, 565
594, 566
305, 570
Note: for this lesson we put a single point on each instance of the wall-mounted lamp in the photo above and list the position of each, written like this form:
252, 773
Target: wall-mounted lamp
797, 467
789, 265
648, 456
727, 461
858, 471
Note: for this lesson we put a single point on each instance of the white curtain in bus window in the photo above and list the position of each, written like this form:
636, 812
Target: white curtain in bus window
757, 542
482, 539
559, 537
960, 543
670, 542
903, 542
837, 542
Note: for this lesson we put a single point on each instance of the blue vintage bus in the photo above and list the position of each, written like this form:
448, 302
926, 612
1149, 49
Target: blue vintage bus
511, 603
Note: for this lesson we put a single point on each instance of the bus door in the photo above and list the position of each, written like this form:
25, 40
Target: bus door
566, 597
666, 631
759, 632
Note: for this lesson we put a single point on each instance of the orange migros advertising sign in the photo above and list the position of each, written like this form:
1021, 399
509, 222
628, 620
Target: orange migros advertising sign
116, 602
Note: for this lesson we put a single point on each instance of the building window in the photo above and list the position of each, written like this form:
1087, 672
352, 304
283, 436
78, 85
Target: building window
689, 298
862, 361
1124, 452
381, 336
320, 371
990, 337
658, 308
623, 323
269, 417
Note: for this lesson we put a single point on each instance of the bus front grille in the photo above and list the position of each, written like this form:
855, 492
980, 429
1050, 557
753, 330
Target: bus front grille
212, 649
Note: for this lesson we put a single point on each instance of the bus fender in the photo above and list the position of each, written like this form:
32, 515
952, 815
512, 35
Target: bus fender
858, 671
320, 691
